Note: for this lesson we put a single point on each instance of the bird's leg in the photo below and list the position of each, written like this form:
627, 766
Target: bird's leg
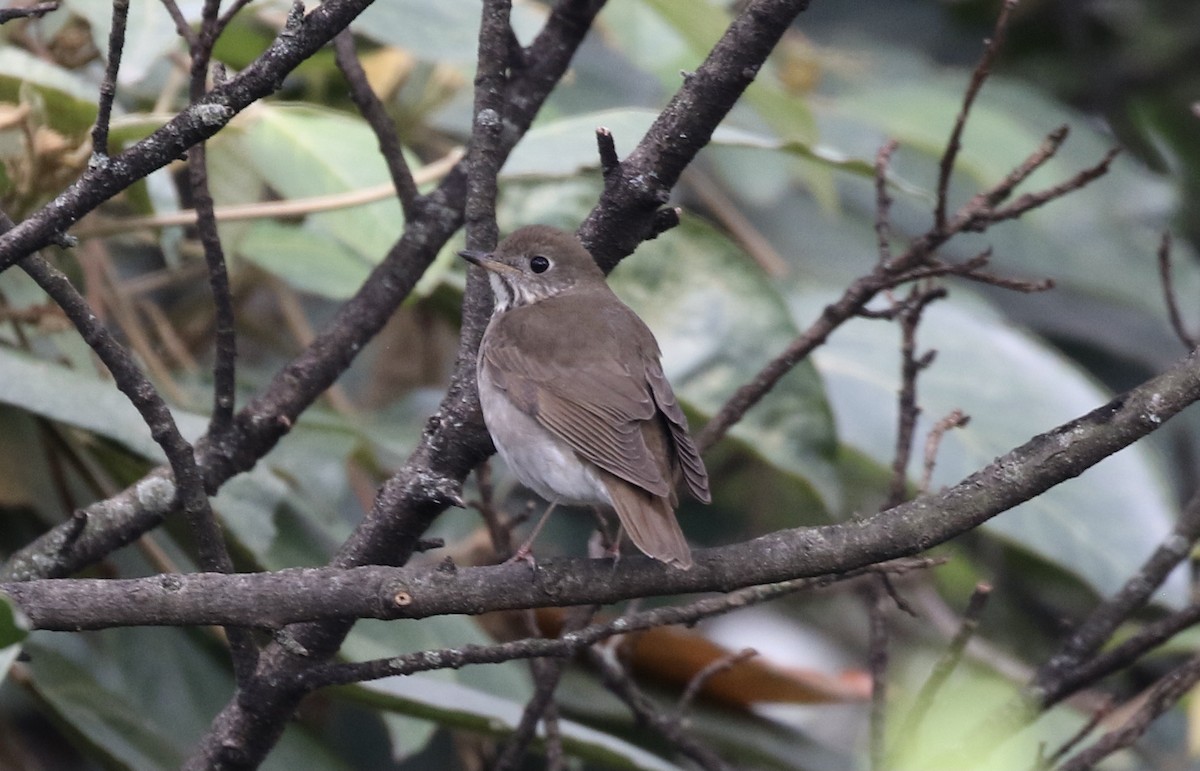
612, 544
524, 552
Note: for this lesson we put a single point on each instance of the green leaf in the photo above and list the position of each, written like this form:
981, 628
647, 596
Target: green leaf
436, 30
1100, 526
14, 628
409, 723
81, 400
308, 260
141, 698
149, 34
70, 103
565, 146
451, 704
304, 152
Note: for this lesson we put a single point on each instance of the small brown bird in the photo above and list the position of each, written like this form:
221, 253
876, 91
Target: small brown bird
574, 395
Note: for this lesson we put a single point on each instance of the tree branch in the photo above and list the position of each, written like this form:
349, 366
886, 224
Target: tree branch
1023, 473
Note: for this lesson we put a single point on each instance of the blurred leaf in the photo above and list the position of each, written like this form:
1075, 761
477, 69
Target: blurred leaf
718, 321
116, 727
671, 39
971, 698
454, 705
564, 147
411, 727
308, 260
143, 697
302, 482
673, 656
1099, 526
14, 628
149, 33
70, 101
435, 30
77, 399
302, 151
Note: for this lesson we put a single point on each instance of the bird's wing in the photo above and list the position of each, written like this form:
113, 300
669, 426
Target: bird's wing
688, 457
545, 376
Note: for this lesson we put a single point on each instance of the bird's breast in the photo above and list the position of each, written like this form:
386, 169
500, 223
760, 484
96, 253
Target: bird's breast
542, 462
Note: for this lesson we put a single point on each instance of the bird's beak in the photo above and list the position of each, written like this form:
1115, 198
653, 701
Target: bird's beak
485, 260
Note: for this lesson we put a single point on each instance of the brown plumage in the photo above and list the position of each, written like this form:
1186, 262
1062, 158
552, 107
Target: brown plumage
574, 394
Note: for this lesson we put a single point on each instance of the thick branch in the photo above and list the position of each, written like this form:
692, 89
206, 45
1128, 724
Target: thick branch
1022, 474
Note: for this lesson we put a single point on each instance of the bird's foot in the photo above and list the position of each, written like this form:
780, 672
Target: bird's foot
523, 554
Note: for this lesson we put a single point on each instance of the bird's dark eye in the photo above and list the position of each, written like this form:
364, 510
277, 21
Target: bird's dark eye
539, 264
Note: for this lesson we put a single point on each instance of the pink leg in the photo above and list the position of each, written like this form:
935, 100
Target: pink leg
524, 552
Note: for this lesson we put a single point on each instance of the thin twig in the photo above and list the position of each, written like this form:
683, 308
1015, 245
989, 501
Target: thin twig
35, 11
1093, 722
1076, 663
915, 715
1052, 678
484, 157
883, 200
1169, 294
711, 670
877, 661
978, 76
294, 207
1031, 201
225, 332
911, 366
1162, 696
955, 419
181, 25
230, 12
145, 398
546, 682
108, 86
617, 680
377, 118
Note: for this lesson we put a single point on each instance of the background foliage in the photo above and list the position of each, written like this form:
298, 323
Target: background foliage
778, 218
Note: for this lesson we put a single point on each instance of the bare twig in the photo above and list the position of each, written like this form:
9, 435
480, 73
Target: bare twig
35, 11
883, 200
484, 156
377, 118
181, 24
230, 12
978, 76
1085, 730
108, 86
1076, 663
1169, 294
546, 678
711, 670
914, 717
877, 662
1163, 695
617, 680
294, 207
1031, 201
907, 410
1053, 680
955, 419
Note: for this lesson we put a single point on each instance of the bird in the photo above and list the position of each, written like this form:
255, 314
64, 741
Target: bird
573, 393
